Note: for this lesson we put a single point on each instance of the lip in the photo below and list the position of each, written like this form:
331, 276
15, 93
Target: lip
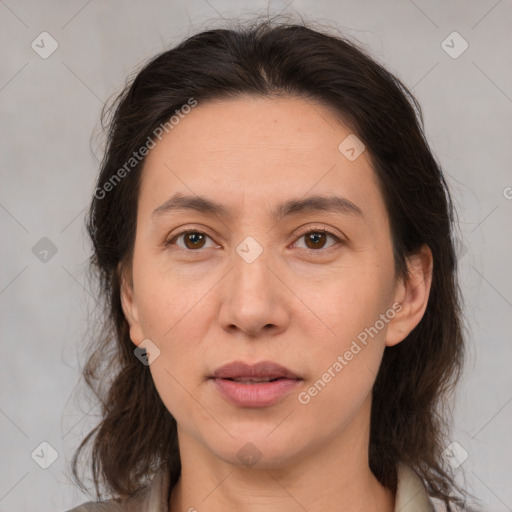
264, 369
244, 394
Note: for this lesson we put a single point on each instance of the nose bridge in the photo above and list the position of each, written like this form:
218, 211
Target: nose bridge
250, 260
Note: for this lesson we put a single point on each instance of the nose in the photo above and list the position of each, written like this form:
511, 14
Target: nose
254, 298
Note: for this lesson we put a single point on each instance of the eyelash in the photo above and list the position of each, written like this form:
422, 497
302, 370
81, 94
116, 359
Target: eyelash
324, 231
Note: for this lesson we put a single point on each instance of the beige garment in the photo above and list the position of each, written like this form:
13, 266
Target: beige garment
411, 496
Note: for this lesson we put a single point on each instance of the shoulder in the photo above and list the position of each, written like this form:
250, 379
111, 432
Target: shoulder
127, 505
152, 498
91, 506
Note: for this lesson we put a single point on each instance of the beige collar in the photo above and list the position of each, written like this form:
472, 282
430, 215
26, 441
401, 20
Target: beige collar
411, 495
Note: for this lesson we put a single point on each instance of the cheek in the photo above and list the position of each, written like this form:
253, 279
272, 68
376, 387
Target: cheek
355, 312
177, 392
177, 372
345, 365
354, 302
165, 298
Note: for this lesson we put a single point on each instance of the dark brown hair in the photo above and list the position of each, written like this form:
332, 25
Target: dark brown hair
410, 411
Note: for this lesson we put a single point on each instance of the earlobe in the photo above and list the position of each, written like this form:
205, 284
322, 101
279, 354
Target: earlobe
412, 293
130, 311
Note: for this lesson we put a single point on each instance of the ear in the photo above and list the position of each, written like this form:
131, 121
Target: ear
412, 293
129, 306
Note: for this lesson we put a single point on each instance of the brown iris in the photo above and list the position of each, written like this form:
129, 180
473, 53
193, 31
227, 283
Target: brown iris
316, 238
196, 240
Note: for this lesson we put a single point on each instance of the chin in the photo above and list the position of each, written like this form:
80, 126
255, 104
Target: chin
256, 448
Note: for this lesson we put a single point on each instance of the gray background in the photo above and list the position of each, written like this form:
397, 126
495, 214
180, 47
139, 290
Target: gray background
50, 108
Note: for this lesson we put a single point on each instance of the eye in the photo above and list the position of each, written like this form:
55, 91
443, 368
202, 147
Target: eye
192, 239
316, 239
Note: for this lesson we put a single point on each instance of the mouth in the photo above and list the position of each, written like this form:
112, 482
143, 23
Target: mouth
257, 385
251, 380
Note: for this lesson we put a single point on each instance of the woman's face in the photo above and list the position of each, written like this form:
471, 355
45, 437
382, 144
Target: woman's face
291, 264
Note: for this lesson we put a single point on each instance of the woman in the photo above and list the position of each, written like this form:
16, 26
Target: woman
274, 243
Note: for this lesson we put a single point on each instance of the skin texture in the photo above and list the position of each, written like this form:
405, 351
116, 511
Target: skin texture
298, 304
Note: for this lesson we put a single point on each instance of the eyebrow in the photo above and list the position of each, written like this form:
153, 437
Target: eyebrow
204, 205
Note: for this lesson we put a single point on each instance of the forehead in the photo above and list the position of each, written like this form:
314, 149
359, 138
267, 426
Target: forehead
224, 128
260, 148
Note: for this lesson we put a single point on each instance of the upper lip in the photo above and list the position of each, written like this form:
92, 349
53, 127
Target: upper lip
264, 369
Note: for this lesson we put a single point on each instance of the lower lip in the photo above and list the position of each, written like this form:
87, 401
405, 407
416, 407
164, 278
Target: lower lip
255, 395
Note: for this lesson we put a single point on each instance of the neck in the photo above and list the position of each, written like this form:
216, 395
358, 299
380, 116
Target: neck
335, 477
